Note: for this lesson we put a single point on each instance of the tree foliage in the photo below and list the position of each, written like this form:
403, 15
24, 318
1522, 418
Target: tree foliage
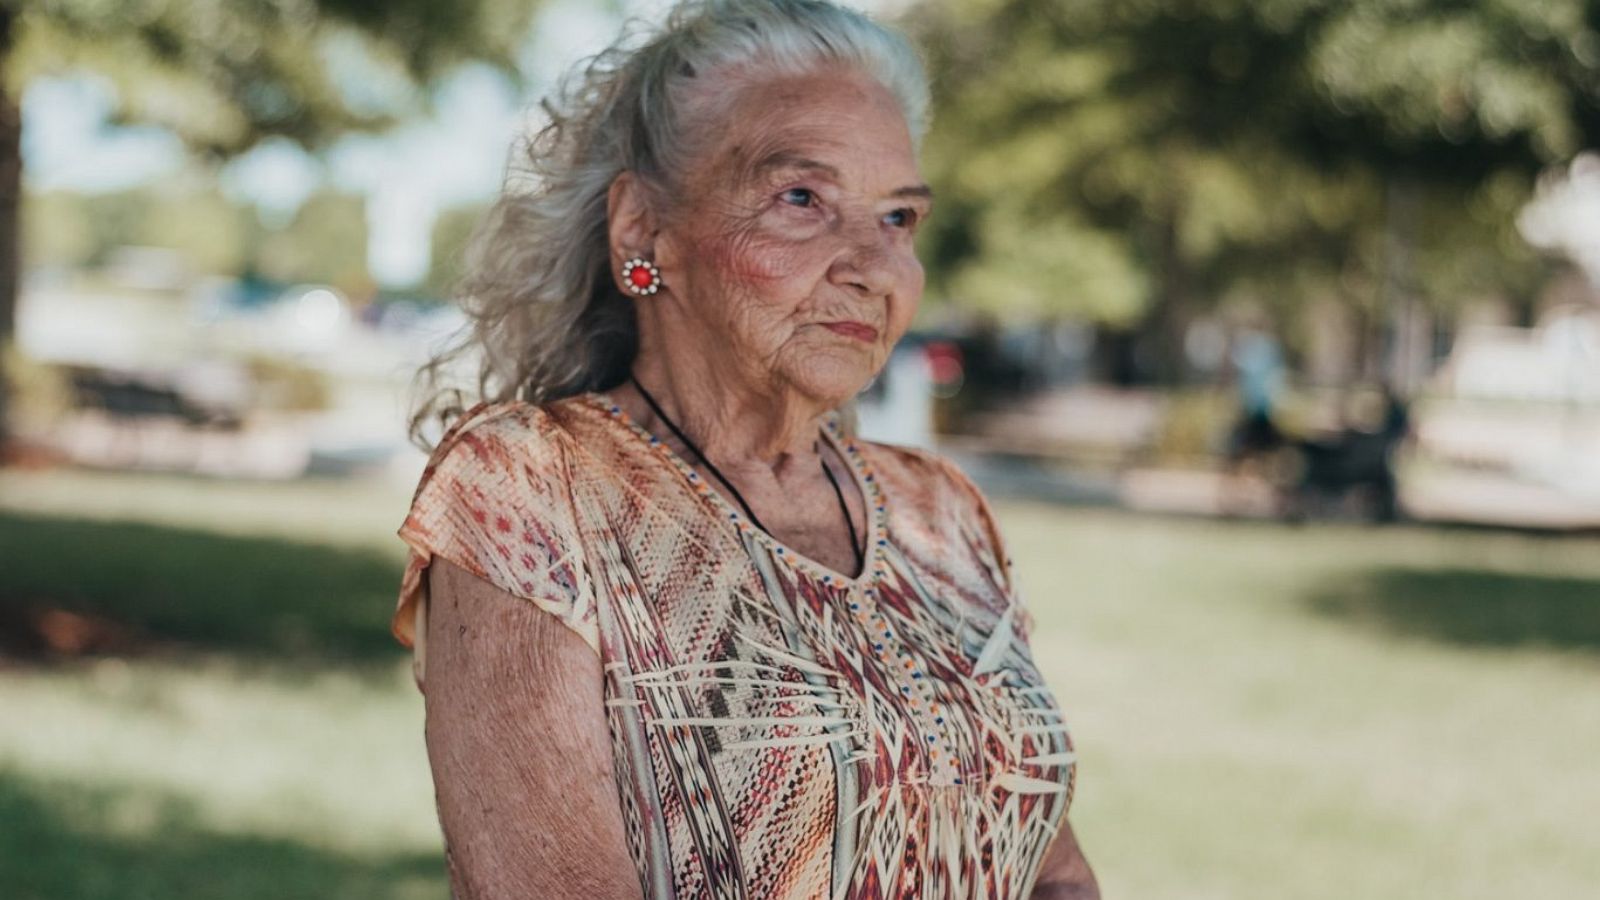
225, 74
1128, 158
325, 242
452, 231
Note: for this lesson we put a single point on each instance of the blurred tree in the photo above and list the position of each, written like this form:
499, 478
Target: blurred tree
191, 216
226, 74
325, 242
58, 230
1273, 149
187, 214
451, 231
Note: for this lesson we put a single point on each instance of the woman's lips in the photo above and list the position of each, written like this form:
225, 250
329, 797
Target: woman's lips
861, 331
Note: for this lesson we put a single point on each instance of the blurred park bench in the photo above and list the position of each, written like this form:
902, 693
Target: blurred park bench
134, 395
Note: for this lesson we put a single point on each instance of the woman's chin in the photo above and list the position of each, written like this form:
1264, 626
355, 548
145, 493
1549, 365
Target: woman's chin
833, 386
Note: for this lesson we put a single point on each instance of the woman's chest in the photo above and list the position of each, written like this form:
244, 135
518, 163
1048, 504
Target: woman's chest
803, 724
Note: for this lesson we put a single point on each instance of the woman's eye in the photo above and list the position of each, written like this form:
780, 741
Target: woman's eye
805, 196
907, 218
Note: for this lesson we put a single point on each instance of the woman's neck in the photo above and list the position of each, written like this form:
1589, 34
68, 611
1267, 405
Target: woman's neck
733, 424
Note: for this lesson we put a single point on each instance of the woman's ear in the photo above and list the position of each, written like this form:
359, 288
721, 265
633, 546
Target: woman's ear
630, 223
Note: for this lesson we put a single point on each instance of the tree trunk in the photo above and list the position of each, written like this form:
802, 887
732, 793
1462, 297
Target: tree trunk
10, 220
1169, 317
1401, 310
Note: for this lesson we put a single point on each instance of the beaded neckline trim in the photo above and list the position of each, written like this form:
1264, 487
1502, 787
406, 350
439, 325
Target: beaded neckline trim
874, 565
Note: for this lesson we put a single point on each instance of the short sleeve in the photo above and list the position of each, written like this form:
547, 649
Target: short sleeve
996, 555
495, 499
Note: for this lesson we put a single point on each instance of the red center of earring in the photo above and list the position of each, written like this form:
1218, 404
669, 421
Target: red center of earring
640, 276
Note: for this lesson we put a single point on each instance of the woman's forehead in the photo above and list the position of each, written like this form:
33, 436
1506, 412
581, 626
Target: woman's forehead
827, 100
843, 135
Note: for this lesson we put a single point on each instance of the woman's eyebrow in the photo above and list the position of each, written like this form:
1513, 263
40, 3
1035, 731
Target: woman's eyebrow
788, 159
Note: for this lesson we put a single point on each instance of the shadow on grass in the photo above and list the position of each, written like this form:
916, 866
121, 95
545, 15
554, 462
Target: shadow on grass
253, 596
69, 842
1470, 607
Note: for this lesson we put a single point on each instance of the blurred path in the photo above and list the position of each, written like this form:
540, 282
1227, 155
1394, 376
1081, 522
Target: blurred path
1083, 447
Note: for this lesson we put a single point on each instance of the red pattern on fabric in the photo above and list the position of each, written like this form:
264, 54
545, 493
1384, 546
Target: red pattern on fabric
779, 729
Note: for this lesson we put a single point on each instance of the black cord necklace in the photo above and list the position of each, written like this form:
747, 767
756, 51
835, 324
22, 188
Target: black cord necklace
849, 521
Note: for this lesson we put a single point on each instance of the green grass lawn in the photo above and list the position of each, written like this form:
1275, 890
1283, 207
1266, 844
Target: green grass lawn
1260, 712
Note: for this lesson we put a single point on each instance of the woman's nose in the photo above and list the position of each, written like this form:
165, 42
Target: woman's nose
867, 261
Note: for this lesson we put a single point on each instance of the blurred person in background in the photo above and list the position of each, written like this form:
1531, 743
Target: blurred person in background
682, 633
1259, 370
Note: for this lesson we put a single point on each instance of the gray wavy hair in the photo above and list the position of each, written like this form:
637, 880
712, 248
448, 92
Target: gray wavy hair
541, 307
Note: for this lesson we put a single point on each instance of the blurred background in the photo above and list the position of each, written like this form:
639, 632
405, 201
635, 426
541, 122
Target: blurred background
1272, 327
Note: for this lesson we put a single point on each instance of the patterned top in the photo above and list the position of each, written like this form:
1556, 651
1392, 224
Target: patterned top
778, 729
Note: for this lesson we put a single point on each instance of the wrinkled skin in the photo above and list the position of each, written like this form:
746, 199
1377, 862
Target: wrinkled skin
754, 261
758, 259
755, 257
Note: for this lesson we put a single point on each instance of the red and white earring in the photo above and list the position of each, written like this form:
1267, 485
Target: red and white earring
641, 276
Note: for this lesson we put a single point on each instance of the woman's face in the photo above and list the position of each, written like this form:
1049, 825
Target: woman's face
792, 251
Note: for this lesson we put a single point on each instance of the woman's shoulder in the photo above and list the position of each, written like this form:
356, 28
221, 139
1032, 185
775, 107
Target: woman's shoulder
931, 496
500, 418
914, 472
507, 431
494, 498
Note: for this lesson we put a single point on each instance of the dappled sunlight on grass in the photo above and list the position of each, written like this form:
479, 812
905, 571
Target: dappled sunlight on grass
250, 595
257, 732
347, 513
66, 839
1470, 607
1238, 741
1260, 712
314, 753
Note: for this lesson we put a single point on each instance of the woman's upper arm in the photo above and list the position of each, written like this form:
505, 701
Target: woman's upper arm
520, 749
1065, 874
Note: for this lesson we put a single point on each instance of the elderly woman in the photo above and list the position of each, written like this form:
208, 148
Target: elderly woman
679, 631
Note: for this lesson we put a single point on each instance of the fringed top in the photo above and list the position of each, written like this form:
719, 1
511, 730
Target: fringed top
779, 730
